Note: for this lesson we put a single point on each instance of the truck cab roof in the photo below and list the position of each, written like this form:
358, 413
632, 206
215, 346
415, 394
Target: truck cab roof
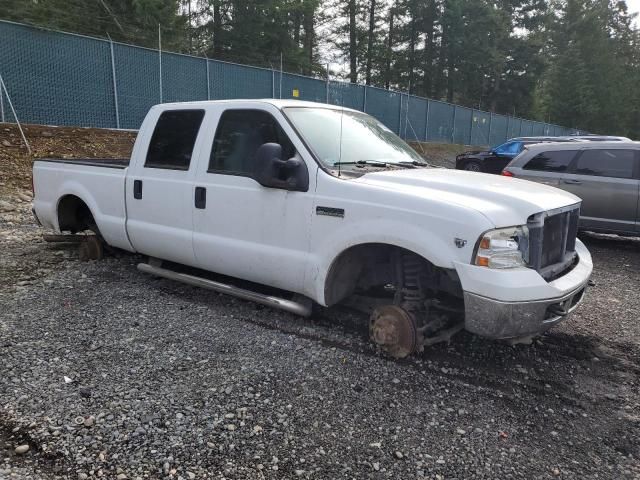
278, 103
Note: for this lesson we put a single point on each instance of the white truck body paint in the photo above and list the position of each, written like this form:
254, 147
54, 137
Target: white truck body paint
275, 237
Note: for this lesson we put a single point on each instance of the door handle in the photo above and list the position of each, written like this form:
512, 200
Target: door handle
201, 197
572, 182
137, 189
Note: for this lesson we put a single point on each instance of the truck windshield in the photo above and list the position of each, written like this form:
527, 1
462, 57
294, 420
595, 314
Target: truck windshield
350, 139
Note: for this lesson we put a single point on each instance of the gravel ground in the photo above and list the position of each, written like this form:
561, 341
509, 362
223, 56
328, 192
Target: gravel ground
109, 373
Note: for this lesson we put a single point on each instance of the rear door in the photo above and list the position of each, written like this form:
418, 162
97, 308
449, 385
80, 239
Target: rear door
159, 186
548, 167
607, 182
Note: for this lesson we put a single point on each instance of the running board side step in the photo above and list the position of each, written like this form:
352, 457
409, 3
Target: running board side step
300, 307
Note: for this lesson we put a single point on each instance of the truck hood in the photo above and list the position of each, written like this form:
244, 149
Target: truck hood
505, 201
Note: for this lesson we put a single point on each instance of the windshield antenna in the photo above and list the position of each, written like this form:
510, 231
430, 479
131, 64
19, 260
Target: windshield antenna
341, 117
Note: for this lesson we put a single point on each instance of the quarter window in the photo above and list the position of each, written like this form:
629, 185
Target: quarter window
239, 135
173, 139
606, 163
554, 161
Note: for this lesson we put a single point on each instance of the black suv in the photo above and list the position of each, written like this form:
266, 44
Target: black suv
494, 160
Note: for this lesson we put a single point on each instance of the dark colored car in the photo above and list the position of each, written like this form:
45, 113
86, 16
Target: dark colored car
494, 160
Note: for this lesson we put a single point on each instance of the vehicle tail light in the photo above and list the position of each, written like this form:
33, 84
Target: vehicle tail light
507, 173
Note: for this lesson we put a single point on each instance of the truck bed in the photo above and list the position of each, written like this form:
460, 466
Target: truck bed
97, 182
92, 162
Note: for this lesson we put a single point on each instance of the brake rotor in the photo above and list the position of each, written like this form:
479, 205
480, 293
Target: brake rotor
394, 330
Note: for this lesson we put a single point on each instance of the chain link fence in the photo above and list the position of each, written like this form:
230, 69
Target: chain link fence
59, 78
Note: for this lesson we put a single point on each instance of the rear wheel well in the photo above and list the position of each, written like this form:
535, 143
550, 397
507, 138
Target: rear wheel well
377, 265
75, 216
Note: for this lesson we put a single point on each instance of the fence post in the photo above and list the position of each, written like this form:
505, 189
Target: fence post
364, 101
15, 115
273, 83
115, 83
406, 115
160, 60
327, 84
2, 106
471, 129
400, 116
280, 75
490, 124
453, 126
426, 121
208, 84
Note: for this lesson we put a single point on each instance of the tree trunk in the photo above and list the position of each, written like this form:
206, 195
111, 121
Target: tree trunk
372, 26
217, 29
429, 48
387, 73
297, 17
442, 61
450, 82
412, 50
190, 30
353, 47
309, 34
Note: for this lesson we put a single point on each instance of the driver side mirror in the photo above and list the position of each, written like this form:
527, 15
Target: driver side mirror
271, 171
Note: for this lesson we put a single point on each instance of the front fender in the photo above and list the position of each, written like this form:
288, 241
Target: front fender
432, 245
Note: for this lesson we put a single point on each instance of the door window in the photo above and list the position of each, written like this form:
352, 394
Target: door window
239, 135
606, 163
555, 161
173, 139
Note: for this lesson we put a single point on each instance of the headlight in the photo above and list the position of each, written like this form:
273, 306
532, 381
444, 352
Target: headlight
504, 248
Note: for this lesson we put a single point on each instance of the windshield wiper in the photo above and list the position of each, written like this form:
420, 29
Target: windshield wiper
416, 163
375, 163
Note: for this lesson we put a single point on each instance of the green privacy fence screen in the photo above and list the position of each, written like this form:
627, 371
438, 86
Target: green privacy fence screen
66, 79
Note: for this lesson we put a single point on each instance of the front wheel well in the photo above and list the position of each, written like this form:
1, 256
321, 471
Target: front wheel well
74, 215
378, 265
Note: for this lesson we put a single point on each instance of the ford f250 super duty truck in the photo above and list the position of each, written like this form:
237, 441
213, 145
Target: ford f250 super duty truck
291, 203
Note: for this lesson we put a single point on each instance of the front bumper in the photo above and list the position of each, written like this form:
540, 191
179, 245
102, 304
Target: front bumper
506, 320
520, 303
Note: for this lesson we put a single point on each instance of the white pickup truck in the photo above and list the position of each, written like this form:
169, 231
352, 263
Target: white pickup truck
309, 202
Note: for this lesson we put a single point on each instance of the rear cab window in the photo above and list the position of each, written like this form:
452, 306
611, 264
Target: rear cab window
614, 163
557, 161
173, 139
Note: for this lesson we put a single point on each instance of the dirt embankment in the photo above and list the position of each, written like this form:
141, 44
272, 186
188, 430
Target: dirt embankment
49, 141
75, 142
440, 154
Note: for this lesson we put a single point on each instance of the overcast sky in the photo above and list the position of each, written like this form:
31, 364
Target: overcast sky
634, 6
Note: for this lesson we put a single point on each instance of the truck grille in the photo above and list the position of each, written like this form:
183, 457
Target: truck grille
552, 241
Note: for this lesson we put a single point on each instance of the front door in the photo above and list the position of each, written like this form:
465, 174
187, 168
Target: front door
243, 229
606, 181
159, 188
